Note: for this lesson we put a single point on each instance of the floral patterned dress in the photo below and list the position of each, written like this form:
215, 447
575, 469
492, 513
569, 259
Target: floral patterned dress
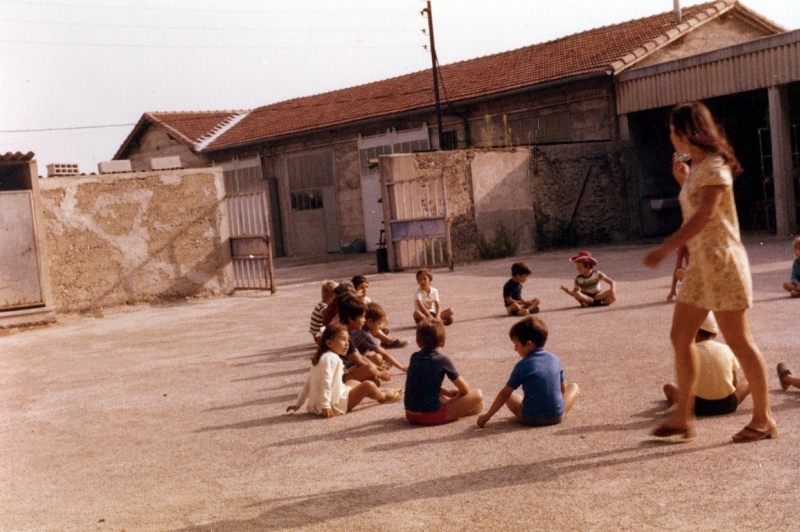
718, 277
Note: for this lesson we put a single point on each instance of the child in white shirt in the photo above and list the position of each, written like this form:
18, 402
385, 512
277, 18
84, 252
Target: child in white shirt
426, 300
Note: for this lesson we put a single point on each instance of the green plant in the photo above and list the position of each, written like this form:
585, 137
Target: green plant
503, 244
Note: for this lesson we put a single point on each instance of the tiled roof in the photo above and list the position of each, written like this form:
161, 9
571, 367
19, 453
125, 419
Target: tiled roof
17, 156
609, 48
188, 127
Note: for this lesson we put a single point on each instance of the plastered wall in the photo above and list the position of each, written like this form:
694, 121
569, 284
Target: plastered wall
136, 237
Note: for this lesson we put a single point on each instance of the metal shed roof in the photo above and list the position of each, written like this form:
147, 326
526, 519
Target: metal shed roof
757, 64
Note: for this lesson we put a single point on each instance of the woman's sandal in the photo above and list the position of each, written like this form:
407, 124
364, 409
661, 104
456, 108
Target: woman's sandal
747, 435
783, 371
663, 431
397, 395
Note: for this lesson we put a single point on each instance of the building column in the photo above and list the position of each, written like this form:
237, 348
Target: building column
785, 213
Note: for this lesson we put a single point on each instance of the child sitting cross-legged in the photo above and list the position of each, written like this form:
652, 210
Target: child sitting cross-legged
368, 345
426, 401
426, 300
512, 292
547, 397
318, 314
586, 289
325, 392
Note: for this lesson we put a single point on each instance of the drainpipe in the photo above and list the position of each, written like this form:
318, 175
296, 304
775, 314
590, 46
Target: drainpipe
676, 8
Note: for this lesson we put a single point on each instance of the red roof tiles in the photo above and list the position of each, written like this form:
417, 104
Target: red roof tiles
609, 48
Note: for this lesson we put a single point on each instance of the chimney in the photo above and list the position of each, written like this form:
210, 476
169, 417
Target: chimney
676, 8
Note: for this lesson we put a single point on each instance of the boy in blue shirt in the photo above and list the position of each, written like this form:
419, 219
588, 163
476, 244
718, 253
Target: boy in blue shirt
547, 397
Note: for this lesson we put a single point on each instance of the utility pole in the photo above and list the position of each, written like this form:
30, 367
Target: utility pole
435, 64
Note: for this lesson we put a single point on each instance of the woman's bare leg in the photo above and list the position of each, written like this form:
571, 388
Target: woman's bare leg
733, 325
686, 321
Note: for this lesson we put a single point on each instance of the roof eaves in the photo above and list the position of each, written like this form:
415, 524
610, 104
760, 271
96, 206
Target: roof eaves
135, 132
180, 137
672, 35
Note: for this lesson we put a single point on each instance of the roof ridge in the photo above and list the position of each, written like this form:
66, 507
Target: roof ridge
218, 130
675, 32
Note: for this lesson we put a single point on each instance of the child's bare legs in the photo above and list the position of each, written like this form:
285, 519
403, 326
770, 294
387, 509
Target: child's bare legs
447, 316
389, 359
733, 325
791, 288
361, 390
607, 297
459, 406
375, 358
686, 321
517, 309
571, 392
785, 377
579, 296
368, 372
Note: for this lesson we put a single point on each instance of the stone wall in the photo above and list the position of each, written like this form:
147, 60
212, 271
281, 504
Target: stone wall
582, 194
136, 237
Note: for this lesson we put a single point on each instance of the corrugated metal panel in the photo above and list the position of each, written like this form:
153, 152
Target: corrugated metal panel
755, 65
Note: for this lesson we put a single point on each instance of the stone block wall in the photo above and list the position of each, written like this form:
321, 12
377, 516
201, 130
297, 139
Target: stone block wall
127, 238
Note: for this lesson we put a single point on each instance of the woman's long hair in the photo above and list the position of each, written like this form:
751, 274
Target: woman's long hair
694, 120
328, 334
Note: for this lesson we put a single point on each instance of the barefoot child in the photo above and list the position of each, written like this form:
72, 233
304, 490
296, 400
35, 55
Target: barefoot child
368, 345
718, 391
785, 377
586, 290
546, 396
324, 392
426, 300
426, 401
793, 286
512, 292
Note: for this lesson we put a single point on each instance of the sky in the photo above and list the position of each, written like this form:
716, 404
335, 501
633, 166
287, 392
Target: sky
78, 74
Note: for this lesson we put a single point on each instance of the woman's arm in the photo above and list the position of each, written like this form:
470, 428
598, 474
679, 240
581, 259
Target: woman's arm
710, 197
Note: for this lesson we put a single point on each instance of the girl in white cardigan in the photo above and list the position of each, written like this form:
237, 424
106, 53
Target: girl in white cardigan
326, 392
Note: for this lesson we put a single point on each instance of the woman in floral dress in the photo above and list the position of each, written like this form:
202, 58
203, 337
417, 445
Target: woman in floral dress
718, 277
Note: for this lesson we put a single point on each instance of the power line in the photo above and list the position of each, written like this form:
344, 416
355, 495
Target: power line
62, 128
212, 28
195, 47
229, 11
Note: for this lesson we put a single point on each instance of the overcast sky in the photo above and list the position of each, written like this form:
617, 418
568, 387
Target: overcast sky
77, 63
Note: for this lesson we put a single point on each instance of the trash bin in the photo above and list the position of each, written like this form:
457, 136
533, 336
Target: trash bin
383, 260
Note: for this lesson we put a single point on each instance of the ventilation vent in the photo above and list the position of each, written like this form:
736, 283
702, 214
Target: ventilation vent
60, 169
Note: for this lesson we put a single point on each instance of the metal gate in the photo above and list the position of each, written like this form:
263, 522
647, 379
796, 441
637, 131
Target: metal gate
417, 226
251, 244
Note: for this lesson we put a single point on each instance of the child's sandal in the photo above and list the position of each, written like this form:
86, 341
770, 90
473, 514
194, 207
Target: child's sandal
397, 395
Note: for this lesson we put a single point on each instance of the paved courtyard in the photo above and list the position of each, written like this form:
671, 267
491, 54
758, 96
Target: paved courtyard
172, 417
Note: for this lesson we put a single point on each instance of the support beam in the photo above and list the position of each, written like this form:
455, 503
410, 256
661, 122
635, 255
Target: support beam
785, 210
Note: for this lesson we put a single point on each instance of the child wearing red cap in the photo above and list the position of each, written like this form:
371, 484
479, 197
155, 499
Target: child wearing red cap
586, 290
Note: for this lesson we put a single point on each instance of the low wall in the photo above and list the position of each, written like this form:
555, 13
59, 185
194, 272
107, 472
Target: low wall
137, 237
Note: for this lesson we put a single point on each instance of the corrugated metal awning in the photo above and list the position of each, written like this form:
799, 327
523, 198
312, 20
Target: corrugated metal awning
757, 64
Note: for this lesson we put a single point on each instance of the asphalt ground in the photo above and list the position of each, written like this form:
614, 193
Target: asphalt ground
172, 416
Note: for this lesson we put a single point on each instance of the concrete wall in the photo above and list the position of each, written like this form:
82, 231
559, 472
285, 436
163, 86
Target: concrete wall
128, 238
156, 143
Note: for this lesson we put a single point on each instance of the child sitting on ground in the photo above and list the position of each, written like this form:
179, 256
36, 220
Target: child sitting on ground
325, 393
586, 290
793, 286
368, 345
719, 391
679, 272
785, 377
426, 401
361, 287
426, 300
547, 398
318, 313
331, 315
512, 292
352, 313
